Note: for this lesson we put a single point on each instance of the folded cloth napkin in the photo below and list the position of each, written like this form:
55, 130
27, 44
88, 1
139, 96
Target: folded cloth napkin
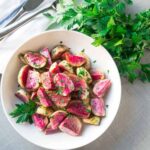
35, 26
11, 12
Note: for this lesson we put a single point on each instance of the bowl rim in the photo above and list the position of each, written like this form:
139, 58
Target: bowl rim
2, 80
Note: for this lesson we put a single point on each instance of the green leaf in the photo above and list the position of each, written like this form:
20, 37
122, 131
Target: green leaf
128, 1
145, 72
24, 112
111, 22
120, 42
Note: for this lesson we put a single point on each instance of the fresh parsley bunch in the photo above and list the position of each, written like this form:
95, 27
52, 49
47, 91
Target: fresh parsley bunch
106, 21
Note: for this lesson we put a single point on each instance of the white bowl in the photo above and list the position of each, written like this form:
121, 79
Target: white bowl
76, 41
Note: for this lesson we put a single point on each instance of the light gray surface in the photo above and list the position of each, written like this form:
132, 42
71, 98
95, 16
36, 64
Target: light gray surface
129, 131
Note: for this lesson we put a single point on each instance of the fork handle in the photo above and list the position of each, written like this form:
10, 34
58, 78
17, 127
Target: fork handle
21, 12
5, 31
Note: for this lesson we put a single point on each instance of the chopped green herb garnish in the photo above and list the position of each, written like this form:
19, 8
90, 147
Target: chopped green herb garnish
59, 91
94, 61
83, 51
107, 106
88, 110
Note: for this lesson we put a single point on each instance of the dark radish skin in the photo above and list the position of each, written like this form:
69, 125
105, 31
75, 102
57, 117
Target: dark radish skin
97, 75
40, 121
63, 83
98, 106
33, 79
77, 108
21, 58
71, 125
59, 100
64, 65
58, 51
54, 68
63, 56
101, 87
22, 75
44, 98
22, 95
45, 52
87, 64
33, 96
75, 61
47, 80
35, 60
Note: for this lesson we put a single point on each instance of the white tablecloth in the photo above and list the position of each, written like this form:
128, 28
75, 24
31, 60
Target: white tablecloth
131, 127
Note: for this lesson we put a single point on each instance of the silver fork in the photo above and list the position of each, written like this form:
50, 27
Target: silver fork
7, 30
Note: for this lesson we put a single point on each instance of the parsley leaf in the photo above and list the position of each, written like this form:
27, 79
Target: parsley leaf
24, 112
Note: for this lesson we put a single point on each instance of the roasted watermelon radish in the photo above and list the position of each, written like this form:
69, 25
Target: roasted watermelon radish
22, 95
35, 60
101, 87
22, 75
77, 108
40, 121
45, 52
87, 64
44, 98
84, 74
33, 80
47, 80
58, 51
94, 120
63, 83
45, 111
98, 106
54, 68
71, 125
59, 100
64, 65
75, 60
97, 75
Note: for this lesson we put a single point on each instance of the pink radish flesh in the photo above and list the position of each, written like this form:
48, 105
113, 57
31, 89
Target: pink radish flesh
96, 75
22, 75
47, 80
71, 125
32, 82
101, 87
76, 107
59, 100
74, 60
35, 60
63, 83
43, 97
45, 52
40, 121
98, 106
54, 68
